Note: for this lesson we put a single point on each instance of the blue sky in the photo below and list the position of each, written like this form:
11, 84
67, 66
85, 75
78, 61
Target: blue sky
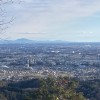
70, 20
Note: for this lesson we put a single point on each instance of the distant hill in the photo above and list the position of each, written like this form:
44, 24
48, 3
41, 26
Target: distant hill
24, 40
18, 41
28, 41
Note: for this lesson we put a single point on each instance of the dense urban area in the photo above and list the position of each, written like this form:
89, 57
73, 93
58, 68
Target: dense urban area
20, 63
35, 60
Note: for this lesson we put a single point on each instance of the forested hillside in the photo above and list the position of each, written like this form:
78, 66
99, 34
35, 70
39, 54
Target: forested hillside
41, 89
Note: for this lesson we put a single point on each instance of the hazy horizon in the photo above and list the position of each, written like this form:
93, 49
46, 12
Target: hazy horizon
26, 40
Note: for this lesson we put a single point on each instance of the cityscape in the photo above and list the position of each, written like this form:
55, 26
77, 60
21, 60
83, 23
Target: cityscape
27, 61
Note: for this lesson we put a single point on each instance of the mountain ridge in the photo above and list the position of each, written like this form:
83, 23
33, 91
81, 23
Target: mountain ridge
24, 40
30, 41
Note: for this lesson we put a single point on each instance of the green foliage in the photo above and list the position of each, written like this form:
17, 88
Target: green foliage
91, 89
60, 88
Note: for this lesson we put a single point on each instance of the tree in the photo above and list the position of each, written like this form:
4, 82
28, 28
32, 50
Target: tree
58, 89
3, 15
4, 21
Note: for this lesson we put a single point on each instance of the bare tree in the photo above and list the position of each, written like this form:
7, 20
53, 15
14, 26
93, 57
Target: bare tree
3, 15
4, 20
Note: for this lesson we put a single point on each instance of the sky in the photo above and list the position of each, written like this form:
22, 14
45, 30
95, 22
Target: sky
67, 20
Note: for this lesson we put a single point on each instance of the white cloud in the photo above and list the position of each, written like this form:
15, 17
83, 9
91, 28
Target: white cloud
40, 16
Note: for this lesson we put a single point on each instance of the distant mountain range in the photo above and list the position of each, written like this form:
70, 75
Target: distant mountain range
24, 40
28, 41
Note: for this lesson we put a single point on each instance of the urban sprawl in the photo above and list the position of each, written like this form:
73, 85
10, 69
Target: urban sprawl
27, 61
